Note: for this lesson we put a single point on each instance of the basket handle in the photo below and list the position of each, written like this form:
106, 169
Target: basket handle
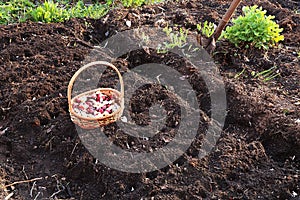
71, 83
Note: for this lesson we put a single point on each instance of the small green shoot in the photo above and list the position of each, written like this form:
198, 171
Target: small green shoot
266, 75
286, 111
145, 39
134, 3
207, 29
175, 40
168, 30
239, 74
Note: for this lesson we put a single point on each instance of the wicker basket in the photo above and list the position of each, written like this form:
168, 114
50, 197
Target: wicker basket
92, 123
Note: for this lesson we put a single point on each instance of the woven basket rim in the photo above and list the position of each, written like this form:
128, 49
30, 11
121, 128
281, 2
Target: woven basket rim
121, 99
116, 114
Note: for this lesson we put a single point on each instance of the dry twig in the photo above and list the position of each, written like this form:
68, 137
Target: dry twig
24, 181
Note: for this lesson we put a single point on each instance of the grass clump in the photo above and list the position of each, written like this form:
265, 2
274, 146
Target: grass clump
254, 28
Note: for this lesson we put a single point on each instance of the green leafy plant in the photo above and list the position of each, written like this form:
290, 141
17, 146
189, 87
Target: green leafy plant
133, 3
175, 40
254, 28
49, 12
14, 11
4, 15
94, 11
109, 2
59, 10
207, 29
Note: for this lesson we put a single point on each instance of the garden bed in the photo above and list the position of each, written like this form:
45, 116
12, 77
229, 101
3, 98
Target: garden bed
256, 157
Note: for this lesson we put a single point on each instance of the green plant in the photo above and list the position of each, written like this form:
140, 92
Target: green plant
239, 74
254, 28
94, 11
59, 12
207, 29
49, 12
109, 2
133, 3
145, 39
175, 40
267, 75
14, 11
4, 15
63, 2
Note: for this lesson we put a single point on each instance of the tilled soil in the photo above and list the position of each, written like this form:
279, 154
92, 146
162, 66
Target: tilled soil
256, 157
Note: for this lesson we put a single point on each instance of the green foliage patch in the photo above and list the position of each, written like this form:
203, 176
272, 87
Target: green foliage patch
55, 12
95, 11
207, 29
48, 12
135, 3
16, 11
254, 28
175, 39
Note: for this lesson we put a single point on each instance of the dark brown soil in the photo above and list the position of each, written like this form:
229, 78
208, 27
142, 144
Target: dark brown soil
256, 157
